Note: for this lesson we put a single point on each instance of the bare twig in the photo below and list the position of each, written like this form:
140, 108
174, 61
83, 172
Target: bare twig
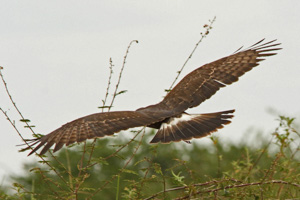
203, 35
17, 109
120, 74
26, 122
111, 65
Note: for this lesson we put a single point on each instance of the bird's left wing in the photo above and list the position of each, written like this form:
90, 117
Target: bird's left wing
92, 126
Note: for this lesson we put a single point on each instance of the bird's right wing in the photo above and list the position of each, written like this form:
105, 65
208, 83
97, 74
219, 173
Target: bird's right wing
92, 126
205, 81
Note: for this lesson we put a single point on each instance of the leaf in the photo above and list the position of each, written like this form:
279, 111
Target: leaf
32, 126
23, 149
139, 161
18, 185
290, 121
36, 170
157, 168
100, 160
87, 189
128, 171
178, 178
104, 107
24, 120
144, 169
45, 162
121, 92
119, 156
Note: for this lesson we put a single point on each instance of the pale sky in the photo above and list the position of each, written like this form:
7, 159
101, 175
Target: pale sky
56, 54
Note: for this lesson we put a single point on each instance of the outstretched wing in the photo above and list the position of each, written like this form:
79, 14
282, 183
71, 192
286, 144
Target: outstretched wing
205, 81
92, 126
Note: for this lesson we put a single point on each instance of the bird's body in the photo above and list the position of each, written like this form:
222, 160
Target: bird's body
168, 116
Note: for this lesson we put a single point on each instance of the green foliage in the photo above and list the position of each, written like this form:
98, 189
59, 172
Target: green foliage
120, 169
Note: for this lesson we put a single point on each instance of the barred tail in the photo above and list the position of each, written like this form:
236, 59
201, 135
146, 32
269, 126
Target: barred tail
187, 126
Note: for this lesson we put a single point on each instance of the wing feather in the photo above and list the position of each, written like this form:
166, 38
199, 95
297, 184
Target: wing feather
92, 126
185, 127
202, 83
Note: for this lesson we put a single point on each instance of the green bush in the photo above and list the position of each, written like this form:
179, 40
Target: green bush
120, 169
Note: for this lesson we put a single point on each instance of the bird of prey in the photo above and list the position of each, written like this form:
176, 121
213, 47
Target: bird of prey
168, 116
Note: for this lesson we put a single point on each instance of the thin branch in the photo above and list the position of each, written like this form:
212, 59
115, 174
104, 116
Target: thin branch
14, 104
194, 185
144, 177
203, 35
107, 92
122, 147
24, 120
222, 188
111, 65
43, 160
126, 164
47, 182
120, 74
259, 157
242, 185
103, 107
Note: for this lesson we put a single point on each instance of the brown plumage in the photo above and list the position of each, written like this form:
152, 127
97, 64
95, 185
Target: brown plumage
168, 115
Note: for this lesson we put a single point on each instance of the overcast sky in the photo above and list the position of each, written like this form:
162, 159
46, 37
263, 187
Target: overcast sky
56, 55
